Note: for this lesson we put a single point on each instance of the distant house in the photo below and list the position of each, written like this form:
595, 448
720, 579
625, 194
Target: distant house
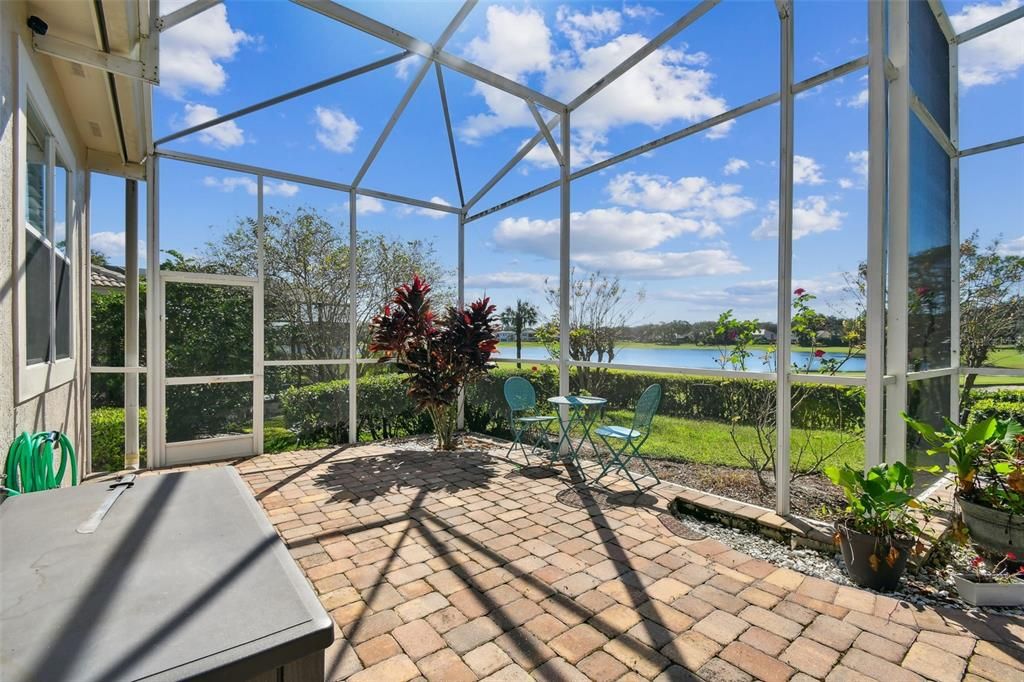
509, 335
105, 280
766, 334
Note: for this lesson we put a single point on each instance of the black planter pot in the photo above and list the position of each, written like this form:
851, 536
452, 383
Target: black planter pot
858, 548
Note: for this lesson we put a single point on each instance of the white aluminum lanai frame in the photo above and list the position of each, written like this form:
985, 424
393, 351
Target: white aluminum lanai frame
892, 101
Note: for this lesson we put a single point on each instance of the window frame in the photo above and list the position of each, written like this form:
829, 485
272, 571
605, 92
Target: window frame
40, 377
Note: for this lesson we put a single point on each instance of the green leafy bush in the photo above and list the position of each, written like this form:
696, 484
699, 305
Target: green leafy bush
107, 449
320, 411
1002, 404
703, 398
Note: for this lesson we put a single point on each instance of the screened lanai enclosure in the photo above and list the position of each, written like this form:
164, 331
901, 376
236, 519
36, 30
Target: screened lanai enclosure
225, 327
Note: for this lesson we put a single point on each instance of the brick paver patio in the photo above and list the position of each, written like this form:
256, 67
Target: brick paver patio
454, 567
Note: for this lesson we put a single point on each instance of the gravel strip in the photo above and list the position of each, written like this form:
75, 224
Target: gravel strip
930, 585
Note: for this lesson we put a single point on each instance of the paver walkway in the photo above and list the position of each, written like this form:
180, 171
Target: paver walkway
455, 567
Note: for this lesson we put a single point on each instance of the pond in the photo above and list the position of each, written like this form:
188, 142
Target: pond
696, 358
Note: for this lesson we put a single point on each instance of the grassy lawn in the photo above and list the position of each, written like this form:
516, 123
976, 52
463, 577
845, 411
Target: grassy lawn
708, 442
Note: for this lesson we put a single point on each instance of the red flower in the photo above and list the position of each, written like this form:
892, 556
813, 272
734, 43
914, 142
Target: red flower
921, 291
1011, 556
977, 561
819, 353
534, 368
800, 292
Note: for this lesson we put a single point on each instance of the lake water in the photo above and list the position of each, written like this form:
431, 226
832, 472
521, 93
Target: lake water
697, 358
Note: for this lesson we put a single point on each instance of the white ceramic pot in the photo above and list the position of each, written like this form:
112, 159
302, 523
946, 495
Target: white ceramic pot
990, 594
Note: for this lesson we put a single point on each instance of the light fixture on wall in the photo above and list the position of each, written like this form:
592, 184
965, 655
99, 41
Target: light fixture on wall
38, 26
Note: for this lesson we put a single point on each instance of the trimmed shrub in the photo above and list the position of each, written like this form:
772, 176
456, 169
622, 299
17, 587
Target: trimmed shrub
1005, 403
107, 448
704, 398
320, 411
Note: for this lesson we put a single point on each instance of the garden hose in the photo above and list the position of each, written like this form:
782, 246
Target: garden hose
30, 463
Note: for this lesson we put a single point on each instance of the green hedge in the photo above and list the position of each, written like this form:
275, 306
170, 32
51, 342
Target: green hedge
704, 398
107, 449
1006, 403
320, 410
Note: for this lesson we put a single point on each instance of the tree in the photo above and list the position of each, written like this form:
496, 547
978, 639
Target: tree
991, 304
440, 356
523, 315
306, 288
98, 258
599, 310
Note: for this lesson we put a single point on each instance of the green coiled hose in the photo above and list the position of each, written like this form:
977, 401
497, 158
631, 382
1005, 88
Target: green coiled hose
30, 462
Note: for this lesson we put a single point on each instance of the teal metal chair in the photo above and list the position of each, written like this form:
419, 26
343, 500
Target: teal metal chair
523, 418
625, 442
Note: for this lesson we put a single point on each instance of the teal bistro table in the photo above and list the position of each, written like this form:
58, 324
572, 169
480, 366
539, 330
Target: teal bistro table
583, 412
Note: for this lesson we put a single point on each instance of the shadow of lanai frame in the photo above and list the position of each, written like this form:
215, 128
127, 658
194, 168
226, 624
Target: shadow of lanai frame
466, 537
893, 25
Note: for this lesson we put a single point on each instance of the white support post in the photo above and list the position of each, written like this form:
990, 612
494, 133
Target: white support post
564, 235
785, 274
154, 352
954, 232
461, 419
353, 338
258, 355
131, 323
898, 228
874, 424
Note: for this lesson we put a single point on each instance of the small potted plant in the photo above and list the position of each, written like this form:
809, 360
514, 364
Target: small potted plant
879, 533
988, 460
998, 586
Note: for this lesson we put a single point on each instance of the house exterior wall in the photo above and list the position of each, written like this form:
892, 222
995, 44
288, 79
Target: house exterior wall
64, 407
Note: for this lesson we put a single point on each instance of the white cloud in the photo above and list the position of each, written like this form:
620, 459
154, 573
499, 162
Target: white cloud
639, 11
859, 163
810, 216
271, 188
222, 135
995, 57
806, 171
192, 53
696, 198
734, 166
598, 230
584, 29
845, 183
427, 212
670, 85
1014, 247
621, 242
584, 149
758, 298
664, 264
367, 205
335, 131
858, 101
508, 280
112, 245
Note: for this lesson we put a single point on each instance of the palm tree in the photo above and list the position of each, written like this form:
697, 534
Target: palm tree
523, 315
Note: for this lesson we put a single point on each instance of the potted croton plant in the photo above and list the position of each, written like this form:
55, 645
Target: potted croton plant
879, 532
440, 355
999, 585
987, 459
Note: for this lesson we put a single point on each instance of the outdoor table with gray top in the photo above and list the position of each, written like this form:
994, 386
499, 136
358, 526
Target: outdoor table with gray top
583, 412
183, 577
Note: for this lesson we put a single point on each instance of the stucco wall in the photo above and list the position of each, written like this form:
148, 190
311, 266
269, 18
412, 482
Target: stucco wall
65, 407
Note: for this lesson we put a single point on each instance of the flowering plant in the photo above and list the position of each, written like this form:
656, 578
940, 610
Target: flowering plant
1001, 572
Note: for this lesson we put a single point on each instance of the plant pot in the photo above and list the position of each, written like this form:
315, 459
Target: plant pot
858, 549
989, 594
995, 530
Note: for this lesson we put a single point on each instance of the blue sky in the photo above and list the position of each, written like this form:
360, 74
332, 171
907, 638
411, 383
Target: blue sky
691, 224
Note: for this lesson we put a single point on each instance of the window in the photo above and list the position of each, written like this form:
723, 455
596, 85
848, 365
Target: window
44, 246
